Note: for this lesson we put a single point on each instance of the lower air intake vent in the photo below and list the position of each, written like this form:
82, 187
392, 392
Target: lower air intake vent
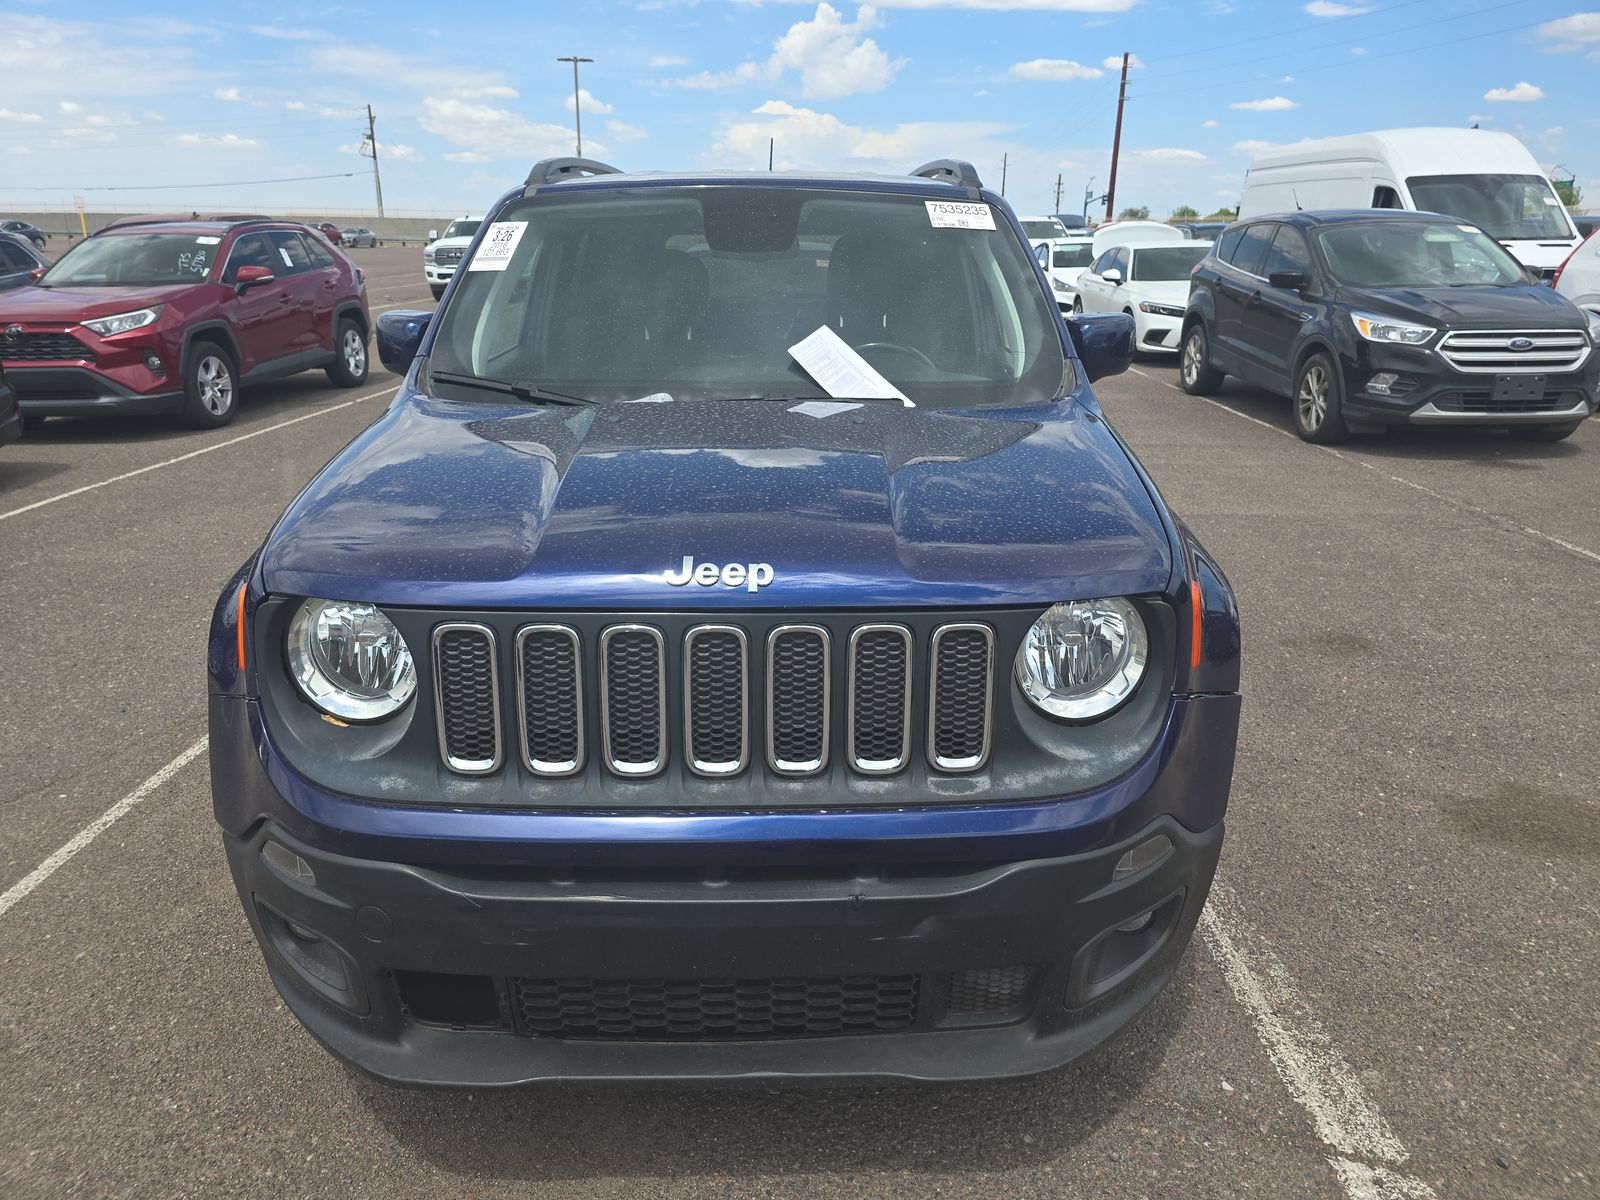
467, 698
716, 1009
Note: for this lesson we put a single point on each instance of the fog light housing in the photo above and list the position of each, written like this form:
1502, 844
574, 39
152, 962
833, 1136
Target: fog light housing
1381, 383
153, 362
1141, 858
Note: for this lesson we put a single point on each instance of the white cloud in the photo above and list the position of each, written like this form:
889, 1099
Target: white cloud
1113, 62
69, 107
230, 93
1251, 146
1359, 51
1083, 6
494, 132
809, 139
19, 118
590, 104
1053, 70
321, 110
662, 62
1271, 104
497, 91
1166, 154
624, 132
466, 156
282, 33
1522, 93
398, 151
211, 141
1580, 31
1325, 8
1208, 124
831, 56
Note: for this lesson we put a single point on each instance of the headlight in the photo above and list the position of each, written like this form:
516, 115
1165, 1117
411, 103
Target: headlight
427, 255
1382, 329
350, 660
1594, 326
122, 322
1165, 310
1081, 660
1060, 286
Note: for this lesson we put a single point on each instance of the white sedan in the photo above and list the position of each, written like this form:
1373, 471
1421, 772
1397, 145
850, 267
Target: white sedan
1149, 283
1063, 260
1579, 277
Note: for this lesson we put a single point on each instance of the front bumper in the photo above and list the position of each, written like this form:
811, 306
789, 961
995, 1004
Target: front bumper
1431, 392
1157, 332
10, 415
71, 391
440, 275
448, 977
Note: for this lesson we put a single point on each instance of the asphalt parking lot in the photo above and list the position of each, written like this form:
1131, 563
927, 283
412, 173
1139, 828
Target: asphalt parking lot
1393, 994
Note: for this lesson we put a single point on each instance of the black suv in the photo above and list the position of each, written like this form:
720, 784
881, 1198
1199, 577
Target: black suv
1377, 317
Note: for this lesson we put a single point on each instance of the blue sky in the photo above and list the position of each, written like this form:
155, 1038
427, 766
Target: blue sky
468, 95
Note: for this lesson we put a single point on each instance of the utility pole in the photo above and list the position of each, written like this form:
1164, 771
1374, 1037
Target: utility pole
772, 144
1057, 208
577, 100
1116, 140
372, 141
1004, 161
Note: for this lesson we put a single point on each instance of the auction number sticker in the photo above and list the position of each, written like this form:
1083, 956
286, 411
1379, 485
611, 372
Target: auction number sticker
951, 214
499, 244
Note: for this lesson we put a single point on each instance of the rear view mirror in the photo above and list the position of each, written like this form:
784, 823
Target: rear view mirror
1112, 275
400, 336
250, 276
1289, 281
1104, 342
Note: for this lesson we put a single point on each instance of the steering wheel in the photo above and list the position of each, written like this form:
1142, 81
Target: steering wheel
897, 348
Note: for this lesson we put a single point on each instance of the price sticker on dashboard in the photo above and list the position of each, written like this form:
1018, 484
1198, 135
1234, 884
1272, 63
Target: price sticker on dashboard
499, 244
952, 214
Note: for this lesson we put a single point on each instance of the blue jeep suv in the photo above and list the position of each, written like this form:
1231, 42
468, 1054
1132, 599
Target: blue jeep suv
743, 649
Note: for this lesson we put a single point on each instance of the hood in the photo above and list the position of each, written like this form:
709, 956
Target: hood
455, 243
479, 506
1541, 255
71, 305
1161, 291
1533, 306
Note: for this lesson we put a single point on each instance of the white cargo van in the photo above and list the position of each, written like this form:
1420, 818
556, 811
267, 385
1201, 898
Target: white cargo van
1486, 178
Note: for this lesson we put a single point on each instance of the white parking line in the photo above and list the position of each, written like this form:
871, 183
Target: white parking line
19, 891
1492, 517
1365, 1151
243, 437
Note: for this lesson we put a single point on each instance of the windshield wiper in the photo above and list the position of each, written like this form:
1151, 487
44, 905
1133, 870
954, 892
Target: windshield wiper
532, 393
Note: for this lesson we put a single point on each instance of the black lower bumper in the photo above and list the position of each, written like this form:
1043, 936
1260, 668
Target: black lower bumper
1424, 391
79, 392
507, 976
10, 416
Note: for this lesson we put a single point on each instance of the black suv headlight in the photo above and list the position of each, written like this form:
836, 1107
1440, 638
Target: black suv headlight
1081, 660
349, 660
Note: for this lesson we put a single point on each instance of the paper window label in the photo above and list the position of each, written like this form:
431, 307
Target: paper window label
498, 245
840, 371
953, 214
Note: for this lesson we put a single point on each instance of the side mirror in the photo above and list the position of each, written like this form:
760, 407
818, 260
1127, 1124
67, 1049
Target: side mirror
247, 277
400, 336
1104, 342
1289, 281
433, 235
1112, 275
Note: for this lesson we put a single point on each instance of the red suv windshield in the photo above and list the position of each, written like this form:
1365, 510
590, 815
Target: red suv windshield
136, 260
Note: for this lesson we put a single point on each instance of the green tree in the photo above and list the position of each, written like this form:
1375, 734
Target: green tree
1185, 212
1223, 214
1134, 214
1569, 191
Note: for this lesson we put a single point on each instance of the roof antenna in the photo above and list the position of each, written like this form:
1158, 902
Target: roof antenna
1295, 193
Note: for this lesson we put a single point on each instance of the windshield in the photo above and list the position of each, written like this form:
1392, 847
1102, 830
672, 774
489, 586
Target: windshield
1415, 254
1507, 207
135, 260
462, 228
1168, 262
1048, 227
1077, 254
700, 292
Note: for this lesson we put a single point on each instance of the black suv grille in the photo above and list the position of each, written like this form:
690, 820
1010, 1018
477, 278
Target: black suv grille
962, 677
469, 697
715, 1009
632, 697
880, 680
44, 347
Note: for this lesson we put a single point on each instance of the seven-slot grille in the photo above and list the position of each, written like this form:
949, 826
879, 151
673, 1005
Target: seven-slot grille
717, 674
44, 347
1514, 352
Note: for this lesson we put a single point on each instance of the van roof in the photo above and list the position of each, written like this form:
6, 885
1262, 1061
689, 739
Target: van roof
1421, 151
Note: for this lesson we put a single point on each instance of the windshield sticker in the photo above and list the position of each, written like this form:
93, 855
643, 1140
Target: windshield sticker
497, 247
208, 241
284, 254
949, 214
840, 371
822, 408
1468, 228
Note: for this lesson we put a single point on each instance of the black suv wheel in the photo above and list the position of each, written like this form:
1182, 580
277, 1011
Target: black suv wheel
1195, 372
1319, 401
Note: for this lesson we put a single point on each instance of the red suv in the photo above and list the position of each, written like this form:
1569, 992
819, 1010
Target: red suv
173, 317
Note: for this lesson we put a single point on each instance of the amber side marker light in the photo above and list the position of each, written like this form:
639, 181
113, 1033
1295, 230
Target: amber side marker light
239, 621
1195, 615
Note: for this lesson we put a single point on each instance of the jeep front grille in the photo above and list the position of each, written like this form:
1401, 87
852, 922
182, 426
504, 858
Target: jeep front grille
712, 692
1490, 351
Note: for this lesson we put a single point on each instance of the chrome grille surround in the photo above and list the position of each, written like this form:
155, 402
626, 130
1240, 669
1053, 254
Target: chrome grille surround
780, 697
943, 688
615, 723
550, 768
699, 692
1489, 352
862, 720
449, 712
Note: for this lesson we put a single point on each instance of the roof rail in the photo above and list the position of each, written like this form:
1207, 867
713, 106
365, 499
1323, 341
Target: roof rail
554, 170
950, 170
186, 219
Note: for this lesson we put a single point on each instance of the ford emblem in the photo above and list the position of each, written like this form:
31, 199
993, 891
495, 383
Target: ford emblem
1520, 344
